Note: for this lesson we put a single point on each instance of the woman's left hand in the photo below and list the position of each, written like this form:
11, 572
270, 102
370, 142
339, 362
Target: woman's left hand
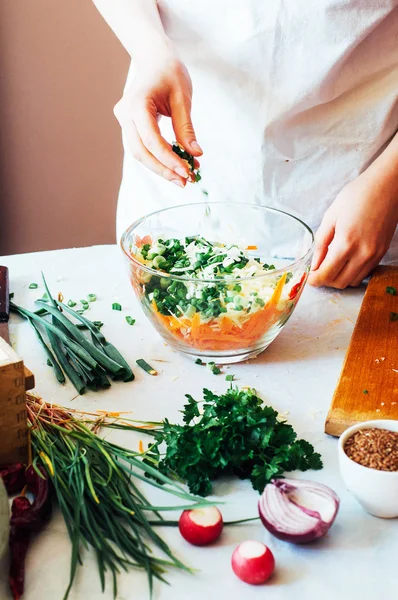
355, 232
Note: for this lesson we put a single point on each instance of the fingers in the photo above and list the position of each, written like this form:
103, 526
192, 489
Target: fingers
148, 129
182, 124
333, 263
133, 142
323, 238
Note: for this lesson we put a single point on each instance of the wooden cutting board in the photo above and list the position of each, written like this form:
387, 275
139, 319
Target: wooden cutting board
368, 385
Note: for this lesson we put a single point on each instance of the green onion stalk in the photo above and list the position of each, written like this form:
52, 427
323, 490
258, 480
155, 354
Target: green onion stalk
97, 485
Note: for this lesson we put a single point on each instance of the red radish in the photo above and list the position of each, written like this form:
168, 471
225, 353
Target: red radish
253, 562
201, 526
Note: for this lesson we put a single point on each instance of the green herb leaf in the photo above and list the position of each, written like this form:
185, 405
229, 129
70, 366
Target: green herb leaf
391, 290
116, 306
130, 320
233, 434
33, 286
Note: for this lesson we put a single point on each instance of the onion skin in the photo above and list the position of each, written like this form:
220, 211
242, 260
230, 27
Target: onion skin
315, 527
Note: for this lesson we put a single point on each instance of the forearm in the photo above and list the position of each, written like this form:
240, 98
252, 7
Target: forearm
137, 24
385, 169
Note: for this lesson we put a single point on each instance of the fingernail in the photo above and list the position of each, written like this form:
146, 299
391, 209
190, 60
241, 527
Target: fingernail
196, 147
180, 171
178, 182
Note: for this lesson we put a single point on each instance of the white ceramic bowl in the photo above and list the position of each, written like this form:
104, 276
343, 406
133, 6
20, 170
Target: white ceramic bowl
376, 491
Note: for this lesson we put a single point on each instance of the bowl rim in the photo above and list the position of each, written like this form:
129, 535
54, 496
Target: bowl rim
165, 275
347, 433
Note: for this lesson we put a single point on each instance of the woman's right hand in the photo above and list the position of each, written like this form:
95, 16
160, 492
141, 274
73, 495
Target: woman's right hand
161, 86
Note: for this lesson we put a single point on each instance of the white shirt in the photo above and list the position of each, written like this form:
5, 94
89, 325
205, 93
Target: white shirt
292, 100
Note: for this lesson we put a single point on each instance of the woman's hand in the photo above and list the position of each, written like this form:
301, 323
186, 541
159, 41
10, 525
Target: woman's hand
161, 86
356, 231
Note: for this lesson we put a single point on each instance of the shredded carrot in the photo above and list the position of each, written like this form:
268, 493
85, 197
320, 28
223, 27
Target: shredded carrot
223, 333
251, 247
141, 447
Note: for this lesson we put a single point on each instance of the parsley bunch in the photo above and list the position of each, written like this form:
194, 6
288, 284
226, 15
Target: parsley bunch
232, 434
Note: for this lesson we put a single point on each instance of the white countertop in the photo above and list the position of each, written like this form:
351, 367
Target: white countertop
297, 375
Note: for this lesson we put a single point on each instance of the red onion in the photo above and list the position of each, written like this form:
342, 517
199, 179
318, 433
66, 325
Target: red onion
298, 511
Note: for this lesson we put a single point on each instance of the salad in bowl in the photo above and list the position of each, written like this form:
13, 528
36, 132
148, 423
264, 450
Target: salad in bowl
211, 291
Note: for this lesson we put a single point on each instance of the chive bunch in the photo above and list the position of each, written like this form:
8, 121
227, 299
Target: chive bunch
90, 362
97, 487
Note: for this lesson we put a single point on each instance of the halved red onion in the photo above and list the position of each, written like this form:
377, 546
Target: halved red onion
298, 511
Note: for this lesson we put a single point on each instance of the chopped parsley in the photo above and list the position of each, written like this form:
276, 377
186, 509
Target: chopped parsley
229, 434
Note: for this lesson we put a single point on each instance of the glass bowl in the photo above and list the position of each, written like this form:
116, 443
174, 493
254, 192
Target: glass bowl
235, 305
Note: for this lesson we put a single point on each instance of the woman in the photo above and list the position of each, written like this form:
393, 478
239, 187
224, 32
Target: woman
296, 106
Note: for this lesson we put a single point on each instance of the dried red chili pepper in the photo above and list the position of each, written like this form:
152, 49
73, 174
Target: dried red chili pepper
13, 477
296, 288
18, 545
26, 518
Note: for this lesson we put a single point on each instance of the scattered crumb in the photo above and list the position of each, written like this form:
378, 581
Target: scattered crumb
382, 403
377, 361
174, 378
395, 370
393, 403
377, 409
159, 360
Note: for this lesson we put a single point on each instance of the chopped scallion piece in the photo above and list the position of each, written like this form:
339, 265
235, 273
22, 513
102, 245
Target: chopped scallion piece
365, 392
91, 297
33, 286
84, 302
216, 370
130, 320
49, 362
147, 368
393, 316
71, 303
199, 361
229, 378
391, 290
116, 306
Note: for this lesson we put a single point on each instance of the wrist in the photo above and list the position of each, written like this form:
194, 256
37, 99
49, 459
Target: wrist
156, 47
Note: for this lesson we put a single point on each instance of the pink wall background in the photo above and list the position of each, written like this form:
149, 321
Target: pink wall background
61, 72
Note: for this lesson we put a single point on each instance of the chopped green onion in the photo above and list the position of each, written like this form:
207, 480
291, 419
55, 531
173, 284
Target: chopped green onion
216, 370
116, 306
71, 303
365, 392
49, 362
33, 286
199, 361
11, 296
91, 297
393, 316
130, 320
84, 302
147, 368
391, 290
229, 378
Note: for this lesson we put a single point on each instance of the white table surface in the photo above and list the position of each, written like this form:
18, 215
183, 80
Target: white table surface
297, 375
